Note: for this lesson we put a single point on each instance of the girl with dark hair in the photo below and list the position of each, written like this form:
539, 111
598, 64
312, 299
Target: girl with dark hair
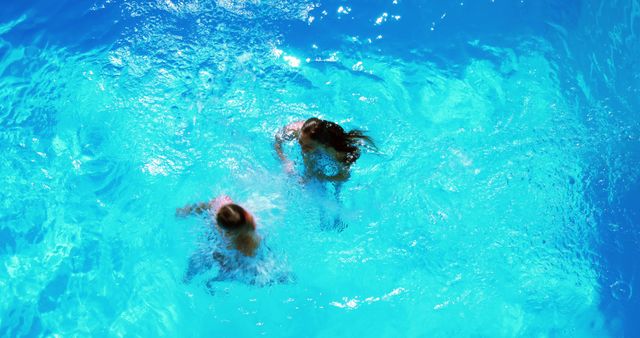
319, 140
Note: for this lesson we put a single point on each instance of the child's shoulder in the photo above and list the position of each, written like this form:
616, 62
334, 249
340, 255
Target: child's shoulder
248, 245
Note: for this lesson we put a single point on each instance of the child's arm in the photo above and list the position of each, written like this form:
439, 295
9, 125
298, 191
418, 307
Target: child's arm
197, 208
288, 133
202, 207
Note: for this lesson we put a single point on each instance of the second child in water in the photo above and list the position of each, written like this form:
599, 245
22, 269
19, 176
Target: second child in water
233, 223
328, 151
236, 246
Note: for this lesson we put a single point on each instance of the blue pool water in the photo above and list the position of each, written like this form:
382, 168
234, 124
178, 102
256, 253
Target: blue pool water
502, 202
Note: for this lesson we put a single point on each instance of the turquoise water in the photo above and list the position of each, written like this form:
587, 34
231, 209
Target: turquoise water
476, 216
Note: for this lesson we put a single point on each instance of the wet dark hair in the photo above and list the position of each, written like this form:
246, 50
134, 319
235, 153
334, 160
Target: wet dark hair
231, 217
332, 135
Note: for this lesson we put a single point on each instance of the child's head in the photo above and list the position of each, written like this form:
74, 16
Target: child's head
239, 226
235, 219
316, 132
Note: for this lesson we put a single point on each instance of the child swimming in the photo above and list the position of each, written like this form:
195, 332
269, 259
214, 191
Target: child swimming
233, 222
235, 247
328, 151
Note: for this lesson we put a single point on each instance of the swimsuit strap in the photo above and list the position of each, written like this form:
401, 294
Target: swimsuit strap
219, 202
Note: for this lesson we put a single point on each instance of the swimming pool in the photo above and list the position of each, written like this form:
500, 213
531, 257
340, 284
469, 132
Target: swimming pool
502, 200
